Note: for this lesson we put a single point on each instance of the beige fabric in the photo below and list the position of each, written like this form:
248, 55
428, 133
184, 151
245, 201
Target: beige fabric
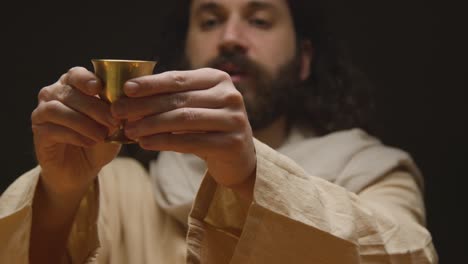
298, 218
15, 218
349, 158
129, 228
295, 218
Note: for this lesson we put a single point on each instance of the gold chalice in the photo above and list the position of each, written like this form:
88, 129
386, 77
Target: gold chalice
114, 73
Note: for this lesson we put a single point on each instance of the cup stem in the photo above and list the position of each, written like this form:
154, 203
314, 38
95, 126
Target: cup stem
119, 137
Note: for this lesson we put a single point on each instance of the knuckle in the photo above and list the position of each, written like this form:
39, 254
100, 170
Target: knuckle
218, 74
178, 79
73, 73
50, 107
74, 70
235, 142
35, 116
64, 93
146, 143
177, 101
239, 120
42, 131
223, 76
63, 78
233, 97
189, 115
70, 73
44, 94
35, 129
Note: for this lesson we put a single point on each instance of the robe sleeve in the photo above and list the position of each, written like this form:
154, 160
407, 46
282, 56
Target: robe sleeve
117, 221
16, 219
299, 218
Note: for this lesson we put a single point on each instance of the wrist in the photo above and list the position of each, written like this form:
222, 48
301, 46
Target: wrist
61, 196
245, 189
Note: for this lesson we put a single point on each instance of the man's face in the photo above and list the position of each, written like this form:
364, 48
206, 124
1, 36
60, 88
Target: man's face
252, 40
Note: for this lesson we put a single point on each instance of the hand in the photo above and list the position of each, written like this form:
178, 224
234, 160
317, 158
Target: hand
69, 126
198, 112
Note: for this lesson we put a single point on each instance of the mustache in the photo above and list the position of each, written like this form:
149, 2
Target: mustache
239, 60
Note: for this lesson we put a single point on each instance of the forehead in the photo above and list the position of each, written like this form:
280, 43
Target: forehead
275, 4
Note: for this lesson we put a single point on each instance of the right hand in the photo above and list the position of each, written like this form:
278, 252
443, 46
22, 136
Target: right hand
69, 126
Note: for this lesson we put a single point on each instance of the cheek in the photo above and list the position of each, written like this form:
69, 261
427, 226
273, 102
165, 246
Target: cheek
200, 49
275, 51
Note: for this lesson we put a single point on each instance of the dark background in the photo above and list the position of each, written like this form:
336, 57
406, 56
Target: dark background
413, 51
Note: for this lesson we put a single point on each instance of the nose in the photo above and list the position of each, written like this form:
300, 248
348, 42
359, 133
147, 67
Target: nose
233, 38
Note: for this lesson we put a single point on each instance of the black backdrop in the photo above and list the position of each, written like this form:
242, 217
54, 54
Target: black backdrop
413, 52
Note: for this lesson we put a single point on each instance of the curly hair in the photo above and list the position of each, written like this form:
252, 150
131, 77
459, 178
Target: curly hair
336, 96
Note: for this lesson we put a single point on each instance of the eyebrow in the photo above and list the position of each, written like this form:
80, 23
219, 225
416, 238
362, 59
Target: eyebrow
207, 7
211, 6
260, 5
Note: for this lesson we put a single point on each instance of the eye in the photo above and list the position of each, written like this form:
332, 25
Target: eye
260, 22
209, 23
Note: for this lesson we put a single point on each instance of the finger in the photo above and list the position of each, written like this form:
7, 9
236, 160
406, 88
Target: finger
50, 134
129, 108
187, 119
174, 81
57, 113
201, 145
90, 106
83, 80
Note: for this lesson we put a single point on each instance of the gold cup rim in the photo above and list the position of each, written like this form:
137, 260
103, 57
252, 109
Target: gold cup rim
121, 61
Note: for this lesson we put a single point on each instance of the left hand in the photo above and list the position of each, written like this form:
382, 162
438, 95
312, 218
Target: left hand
198, 112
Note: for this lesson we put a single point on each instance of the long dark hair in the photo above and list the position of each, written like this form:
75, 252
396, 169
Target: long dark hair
336, 96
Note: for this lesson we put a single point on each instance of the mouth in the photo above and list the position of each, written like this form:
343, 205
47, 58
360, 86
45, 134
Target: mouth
236, 73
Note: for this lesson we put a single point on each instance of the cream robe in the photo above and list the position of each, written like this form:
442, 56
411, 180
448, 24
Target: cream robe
346, 199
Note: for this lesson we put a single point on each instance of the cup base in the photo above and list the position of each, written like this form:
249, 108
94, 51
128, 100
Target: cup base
119, 138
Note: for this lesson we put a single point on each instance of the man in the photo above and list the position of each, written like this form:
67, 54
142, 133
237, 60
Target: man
339, 197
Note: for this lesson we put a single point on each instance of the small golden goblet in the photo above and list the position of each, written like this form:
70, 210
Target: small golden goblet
114, 74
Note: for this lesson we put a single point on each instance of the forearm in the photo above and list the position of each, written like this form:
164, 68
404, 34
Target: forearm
52, 218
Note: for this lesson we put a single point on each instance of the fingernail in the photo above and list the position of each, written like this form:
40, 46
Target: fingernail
92, 86
131, 88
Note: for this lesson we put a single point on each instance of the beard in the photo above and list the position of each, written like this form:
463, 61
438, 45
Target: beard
267, 97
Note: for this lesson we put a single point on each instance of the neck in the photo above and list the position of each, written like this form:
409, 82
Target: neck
273, 135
